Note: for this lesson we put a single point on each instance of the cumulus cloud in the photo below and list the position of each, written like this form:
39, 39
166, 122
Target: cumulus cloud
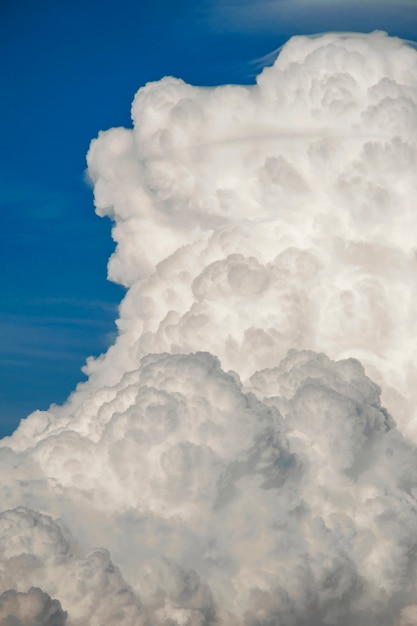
280, 215
229, 460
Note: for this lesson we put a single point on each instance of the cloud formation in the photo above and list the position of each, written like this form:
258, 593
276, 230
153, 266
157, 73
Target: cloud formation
252, 220
33, 608
218, 467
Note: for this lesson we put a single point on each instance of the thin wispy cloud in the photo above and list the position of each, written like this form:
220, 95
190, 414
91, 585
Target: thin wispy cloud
310, 15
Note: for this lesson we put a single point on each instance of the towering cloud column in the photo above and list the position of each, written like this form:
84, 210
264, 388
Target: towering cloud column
217, 467
252, 220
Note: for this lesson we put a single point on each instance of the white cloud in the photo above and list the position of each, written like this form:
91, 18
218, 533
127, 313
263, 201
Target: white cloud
269, 217
265, 225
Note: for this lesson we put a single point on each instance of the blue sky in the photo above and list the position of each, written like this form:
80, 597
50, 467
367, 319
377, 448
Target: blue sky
70, 69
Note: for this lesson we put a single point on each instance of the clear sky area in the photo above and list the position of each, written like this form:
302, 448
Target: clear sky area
69, 70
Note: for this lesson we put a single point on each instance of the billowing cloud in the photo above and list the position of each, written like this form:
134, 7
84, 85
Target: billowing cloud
33, 608
252, 220
218, 467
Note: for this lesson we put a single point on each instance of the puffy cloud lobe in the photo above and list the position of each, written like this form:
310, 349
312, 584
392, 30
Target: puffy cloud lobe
292, 499
33, 608
268, 484
36, 549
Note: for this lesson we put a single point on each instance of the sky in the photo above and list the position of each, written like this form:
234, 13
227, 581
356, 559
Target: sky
70, 70
240, 449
